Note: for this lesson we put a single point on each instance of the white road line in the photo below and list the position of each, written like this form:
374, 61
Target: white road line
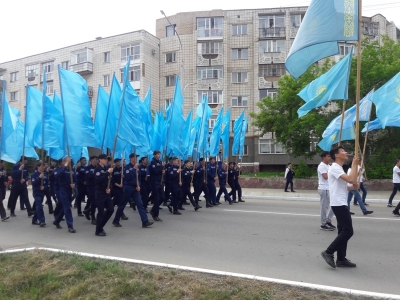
306, 215
357, 294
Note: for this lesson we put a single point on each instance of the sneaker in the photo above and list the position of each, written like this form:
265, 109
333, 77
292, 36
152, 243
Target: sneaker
396, 213
57, 225
325, 227
329, 224
328, 258
147, 224
176, 213
157, 219
345, 263
42, 224
35, 223
389, 205
103, 233
5, 218
367, 212
116, 224
71, 230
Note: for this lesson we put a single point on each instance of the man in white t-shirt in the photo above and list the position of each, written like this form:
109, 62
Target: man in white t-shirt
357, 196
337, 180
396, 182
323, 191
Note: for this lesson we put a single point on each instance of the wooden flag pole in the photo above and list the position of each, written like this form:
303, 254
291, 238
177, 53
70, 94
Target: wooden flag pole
358, 88
42, 158
341, 122
23, 144
122, 167
365, 144
137, 170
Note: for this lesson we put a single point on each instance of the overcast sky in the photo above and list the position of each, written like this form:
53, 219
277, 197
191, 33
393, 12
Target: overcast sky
31, 27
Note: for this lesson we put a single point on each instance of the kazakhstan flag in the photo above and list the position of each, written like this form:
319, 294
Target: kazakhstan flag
325, 23
333, 85
348, 134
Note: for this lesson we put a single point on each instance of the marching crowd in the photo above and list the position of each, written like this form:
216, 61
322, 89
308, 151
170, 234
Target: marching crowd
147, 186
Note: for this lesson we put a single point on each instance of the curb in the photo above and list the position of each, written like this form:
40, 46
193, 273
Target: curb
302, 198
356, 294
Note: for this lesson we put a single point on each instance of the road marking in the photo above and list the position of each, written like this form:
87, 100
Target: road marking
325, 288
305, 215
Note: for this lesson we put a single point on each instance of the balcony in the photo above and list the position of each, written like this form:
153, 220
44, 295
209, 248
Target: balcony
293, 31
210, 84
278, 32
271, 57
207, 34
82, 68
49, 77
268, 82
205, 60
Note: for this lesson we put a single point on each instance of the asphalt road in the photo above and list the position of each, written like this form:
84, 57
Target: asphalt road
277, 239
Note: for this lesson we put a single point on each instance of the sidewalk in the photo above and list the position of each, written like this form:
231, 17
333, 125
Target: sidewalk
307, 195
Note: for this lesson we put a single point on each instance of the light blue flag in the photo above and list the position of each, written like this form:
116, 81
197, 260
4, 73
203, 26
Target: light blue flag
350, 116
156, 141
100, 118
325, 23
243, 136
204, 112
176, 122
113, 113
186, 136
237, 129
33, 118
78, 120
57, 101
56, 118
376, 124
387, 101
348, 134
145, 108
53, 126
333, 85
226, 134
195, 127
216, 134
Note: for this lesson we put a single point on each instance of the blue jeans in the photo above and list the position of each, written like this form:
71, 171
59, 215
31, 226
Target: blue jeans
364, 192
39, 214
128, 193
357, 198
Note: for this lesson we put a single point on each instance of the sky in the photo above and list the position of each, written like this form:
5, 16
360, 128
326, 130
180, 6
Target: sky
32, 27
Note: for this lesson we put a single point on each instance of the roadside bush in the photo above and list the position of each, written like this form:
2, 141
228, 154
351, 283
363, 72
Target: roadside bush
302, 170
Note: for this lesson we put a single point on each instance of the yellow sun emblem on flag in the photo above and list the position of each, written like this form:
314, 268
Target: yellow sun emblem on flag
321, 91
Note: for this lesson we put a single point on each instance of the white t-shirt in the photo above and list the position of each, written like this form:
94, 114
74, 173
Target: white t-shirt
396, 177
362, 174
337, 186
322, 182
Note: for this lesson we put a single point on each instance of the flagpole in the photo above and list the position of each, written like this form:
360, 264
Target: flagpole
122, 167
23, 144
2, 116
358, 92
365, 144
341, 122
108, 110
65, 132
43, 98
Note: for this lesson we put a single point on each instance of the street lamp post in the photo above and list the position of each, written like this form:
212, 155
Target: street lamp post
180, 42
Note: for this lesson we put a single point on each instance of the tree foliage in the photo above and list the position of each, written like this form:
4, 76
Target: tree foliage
380, 62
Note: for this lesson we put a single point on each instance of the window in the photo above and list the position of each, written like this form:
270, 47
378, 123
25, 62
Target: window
272, 21
268, 93
239, 29
214, 97
134, 74
370, 29
170, 57
295, 20
106, 57
65, 65
209, 72
81, 56
132, 50
245, 151
239, 77
345, 49
31, 71
48, 67
209, 47
239, 53
211, 122
168, 102
210, 27
233, 126
268, 146
49, 89
271, 46
14, 96
170, 30
106, 80
239, 101
13, 76
170, 80
272, 70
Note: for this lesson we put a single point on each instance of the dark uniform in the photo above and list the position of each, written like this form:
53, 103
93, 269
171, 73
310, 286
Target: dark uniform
81, 178
222, 185
144, 185
157, 187
199, 184
175, 188
130, 192
64, 180
91, 193
103, 200
20, 189
48, 194
167, 192
211, 174
186, 181
231, 182
52, 182
3, 181
116, 191
57, 191
38, 195
237, 184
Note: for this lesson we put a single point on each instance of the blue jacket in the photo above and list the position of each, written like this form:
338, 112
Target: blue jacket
37, 183
173, 175
222, 177
130, 176
101, 178
186, 176
64, 179
3, 179
89, 176
156, 169
211, 172
199, 175
16, 175
116, 177
81, 174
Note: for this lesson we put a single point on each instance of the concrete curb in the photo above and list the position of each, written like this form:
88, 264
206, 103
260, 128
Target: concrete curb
302, 198
355, 294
